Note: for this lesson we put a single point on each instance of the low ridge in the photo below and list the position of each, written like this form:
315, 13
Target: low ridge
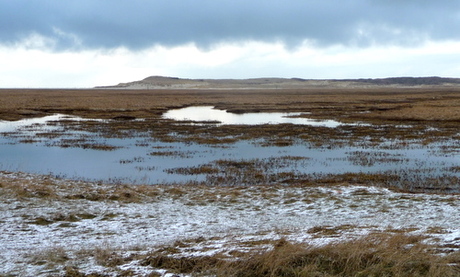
162, 82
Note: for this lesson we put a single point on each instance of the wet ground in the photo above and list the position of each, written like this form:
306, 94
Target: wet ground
61, 146
330, 165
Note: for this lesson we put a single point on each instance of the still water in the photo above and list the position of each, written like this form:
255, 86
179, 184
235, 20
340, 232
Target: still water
208, 113
142, 159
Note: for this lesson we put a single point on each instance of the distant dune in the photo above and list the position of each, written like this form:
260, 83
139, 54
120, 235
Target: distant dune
160, 82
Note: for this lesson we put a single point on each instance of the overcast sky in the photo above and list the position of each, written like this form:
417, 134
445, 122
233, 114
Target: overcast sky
85, 43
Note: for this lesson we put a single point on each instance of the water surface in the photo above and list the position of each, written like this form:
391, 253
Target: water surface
209, 113
142, 159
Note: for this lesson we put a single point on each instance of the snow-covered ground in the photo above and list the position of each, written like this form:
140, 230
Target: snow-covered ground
42, 234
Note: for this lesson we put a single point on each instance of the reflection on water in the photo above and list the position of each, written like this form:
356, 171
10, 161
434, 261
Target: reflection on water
208, 113
12, 126
145, 160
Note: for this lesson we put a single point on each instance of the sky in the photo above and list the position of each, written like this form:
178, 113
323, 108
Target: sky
87, 43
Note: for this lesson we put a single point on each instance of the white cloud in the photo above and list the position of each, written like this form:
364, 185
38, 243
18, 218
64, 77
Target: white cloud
72, 38
32, 64
35, 41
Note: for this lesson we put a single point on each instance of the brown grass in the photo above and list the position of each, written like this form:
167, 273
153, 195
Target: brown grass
373, 255
390, 253
424, 115
386, 103
53, 255
23, 186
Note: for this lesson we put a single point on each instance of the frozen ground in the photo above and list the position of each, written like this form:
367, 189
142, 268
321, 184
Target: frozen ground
41, 234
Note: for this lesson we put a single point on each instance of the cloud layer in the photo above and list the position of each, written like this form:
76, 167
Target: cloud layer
139, 24
85, 43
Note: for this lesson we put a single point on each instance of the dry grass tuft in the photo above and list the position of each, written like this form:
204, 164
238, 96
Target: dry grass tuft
108, 257
74, 272
183, 264
51, 256
24, 186
373, 255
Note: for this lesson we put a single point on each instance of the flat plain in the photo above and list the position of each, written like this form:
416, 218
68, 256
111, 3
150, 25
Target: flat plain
345, 224
431, 104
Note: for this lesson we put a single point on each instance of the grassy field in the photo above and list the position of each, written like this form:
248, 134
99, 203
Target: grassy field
369, 104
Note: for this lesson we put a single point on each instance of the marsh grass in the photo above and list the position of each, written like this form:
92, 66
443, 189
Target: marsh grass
108, 257
400, 181
59, 217
330, 231
26, 188
71, 271
385, 133
365, 158
399, 118
50, 188
268, 134
391, 252
282, 171
245, 172
178, 154
133, 160
50, 257
194, 170
372, 255
376, 254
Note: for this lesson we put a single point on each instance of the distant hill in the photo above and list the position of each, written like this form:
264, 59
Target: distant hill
410, 81
161, 82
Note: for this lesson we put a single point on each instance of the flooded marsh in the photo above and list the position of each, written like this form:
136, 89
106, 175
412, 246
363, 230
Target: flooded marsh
109, 183
190, 145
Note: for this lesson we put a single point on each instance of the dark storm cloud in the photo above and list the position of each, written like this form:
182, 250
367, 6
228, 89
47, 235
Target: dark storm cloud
137, 24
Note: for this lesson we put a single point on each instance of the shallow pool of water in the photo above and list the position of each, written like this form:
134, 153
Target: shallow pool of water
141, 159
209, 113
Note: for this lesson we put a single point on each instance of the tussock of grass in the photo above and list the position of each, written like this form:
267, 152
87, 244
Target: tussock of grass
183, 264
373, 255
54, 255
23, 186
108, 257
74, 272
378, 254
